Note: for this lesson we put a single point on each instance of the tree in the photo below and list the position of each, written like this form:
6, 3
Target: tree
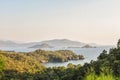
116, 68
103, 55
70, 65
118, 44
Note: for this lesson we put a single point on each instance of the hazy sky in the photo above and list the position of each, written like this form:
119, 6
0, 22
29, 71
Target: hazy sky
90, 21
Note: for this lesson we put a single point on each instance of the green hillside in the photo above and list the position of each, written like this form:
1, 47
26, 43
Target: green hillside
27, 66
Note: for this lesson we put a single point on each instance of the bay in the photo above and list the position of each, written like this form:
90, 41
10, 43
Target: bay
88, 53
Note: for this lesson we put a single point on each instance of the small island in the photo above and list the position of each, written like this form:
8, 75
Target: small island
88, 46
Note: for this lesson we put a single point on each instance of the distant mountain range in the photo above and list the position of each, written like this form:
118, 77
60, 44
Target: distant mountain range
63, 43
46, 44
8, 44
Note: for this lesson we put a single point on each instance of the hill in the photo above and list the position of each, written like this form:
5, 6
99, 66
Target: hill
87, 46
44, 45
54, 56
52, 43
20, 62
8, 44
64, 43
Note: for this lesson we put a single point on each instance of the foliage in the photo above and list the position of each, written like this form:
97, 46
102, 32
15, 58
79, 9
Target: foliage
93, 76
2, 62
118, 44
27, 66
53, 56
16, 64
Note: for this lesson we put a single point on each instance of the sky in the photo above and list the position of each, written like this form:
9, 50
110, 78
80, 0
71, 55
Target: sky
89, 21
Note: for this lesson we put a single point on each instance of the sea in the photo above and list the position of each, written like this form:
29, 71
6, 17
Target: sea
88, 53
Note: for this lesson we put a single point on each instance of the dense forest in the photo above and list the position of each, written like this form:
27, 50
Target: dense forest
21, 66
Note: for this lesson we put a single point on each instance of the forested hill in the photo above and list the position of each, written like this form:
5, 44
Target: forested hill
54, 56
20, 62
107, 67
14, 64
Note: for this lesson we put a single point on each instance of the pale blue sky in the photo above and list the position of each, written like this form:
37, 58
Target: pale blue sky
90, 21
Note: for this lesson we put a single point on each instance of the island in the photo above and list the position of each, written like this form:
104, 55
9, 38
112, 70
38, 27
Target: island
54, 56
88, 46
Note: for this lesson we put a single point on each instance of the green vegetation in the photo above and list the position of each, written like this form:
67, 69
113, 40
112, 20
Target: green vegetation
53, 56
101, 77
107, 67
14, 64
27, 66
2, 63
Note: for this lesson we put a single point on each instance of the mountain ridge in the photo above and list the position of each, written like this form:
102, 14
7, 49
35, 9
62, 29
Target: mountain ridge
53, 42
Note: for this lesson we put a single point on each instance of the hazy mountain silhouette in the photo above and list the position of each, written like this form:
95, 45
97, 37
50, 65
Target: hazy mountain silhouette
49, 43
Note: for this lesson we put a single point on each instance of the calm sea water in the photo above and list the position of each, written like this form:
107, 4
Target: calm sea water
88, 53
